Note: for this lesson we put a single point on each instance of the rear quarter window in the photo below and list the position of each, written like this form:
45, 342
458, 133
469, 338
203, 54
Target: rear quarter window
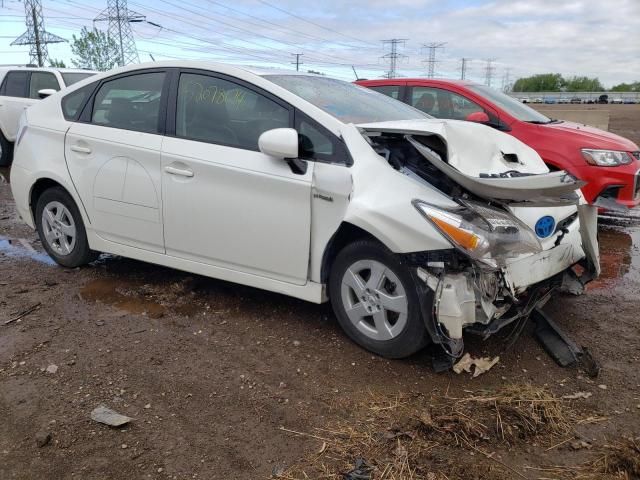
72, 104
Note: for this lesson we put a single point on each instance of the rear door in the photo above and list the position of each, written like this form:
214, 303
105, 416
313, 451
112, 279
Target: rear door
113, 155
14, 98
226, 203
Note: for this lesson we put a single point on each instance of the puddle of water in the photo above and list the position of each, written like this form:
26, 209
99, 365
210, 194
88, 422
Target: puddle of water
138, 298
15, 249
112, 291
619, 257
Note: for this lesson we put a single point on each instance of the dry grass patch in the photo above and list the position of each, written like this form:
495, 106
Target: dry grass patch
415, 437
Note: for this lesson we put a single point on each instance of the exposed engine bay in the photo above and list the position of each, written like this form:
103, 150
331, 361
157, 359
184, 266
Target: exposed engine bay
483, 291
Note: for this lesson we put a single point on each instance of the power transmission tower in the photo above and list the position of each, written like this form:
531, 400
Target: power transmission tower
506, 80
431, 61
393, 56
489, 71
119, 17
297, 62
36, 36
463, 68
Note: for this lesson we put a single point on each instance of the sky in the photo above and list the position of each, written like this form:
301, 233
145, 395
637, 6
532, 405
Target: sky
594, 38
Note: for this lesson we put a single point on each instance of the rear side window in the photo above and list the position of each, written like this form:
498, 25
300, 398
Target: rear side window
40, 81
130, 103
72, 104
73, 77
392, 91
213, 110
15, 84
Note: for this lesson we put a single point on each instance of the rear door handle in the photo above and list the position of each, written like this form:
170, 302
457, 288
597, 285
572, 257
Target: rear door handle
79, 149
183, 172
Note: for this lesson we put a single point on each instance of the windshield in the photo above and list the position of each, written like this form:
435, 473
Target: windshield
512, 106
347, 102
71, 78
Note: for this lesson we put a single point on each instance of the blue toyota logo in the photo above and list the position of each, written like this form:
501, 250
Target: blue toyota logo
545, 226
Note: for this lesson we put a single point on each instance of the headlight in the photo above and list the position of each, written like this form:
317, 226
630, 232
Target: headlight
606, 158
484, 233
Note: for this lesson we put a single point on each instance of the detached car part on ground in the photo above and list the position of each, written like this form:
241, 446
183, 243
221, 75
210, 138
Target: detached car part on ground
416, 229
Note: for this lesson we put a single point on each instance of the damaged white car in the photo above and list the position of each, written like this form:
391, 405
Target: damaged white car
414, 228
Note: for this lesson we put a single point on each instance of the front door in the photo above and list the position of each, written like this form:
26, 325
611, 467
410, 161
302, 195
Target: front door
114, 160
14, 99
225, 203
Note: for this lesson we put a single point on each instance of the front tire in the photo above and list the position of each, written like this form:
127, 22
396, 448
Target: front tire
61, 229
373, 295
6, 151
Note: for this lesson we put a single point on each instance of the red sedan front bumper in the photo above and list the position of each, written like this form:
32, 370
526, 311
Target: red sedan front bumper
619, 183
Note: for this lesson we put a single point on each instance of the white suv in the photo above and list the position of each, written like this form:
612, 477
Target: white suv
20, 87
413, 227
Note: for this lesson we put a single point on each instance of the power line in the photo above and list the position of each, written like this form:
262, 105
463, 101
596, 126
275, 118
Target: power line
36, 36
297, 63
393, 56
316, 24
489, 71
431, 61
119, 17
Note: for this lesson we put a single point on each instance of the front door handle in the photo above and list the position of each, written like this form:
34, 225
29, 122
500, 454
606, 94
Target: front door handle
79, 149
183, 172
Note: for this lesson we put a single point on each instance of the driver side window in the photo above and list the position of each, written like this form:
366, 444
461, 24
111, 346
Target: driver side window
214, 110
443, 103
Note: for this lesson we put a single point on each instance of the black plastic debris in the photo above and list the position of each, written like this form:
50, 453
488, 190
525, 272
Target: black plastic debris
362, 471
560, 347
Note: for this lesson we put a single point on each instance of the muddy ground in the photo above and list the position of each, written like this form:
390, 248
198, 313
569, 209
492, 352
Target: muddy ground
212, 372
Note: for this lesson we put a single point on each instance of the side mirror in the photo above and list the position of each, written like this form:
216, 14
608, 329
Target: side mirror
45, 92
280, 143
478, 117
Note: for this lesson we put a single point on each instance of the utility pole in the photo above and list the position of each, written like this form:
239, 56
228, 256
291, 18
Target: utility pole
463, 68
297, 62
120, 17
489, 71
36, 36
431, 61
393, 56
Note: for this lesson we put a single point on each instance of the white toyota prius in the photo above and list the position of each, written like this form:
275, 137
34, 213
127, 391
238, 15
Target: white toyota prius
414, 228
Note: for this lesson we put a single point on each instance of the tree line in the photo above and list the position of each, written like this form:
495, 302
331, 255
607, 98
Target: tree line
555, 82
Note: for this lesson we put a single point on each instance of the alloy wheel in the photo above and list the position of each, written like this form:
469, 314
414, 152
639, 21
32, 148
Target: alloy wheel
374, 299
59, 228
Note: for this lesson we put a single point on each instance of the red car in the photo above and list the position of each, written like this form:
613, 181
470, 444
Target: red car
608, 163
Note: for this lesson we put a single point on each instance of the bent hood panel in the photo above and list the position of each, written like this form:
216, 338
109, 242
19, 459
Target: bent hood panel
475, 151
472, 148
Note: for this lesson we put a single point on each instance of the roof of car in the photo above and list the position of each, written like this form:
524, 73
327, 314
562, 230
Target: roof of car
394, 81
46, 69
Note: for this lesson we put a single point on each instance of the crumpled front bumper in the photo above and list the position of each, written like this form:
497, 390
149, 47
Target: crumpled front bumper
485, 301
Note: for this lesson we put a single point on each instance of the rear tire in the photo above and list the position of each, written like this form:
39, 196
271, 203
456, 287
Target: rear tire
6, 151
374, 297
61, 229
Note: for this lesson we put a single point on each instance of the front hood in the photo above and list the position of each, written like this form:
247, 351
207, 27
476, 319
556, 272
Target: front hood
585, 136
472, 148
484, 161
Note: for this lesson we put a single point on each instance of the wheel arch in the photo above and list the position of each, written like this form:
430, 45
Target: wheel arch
345, 234
39, 187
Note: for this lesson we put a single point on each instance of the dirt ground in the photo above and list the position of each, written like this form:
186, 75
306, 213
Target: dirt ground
229, 382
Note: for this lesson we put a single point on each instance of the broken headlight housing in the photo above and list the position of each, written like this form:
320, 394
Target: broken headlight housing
487, 234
